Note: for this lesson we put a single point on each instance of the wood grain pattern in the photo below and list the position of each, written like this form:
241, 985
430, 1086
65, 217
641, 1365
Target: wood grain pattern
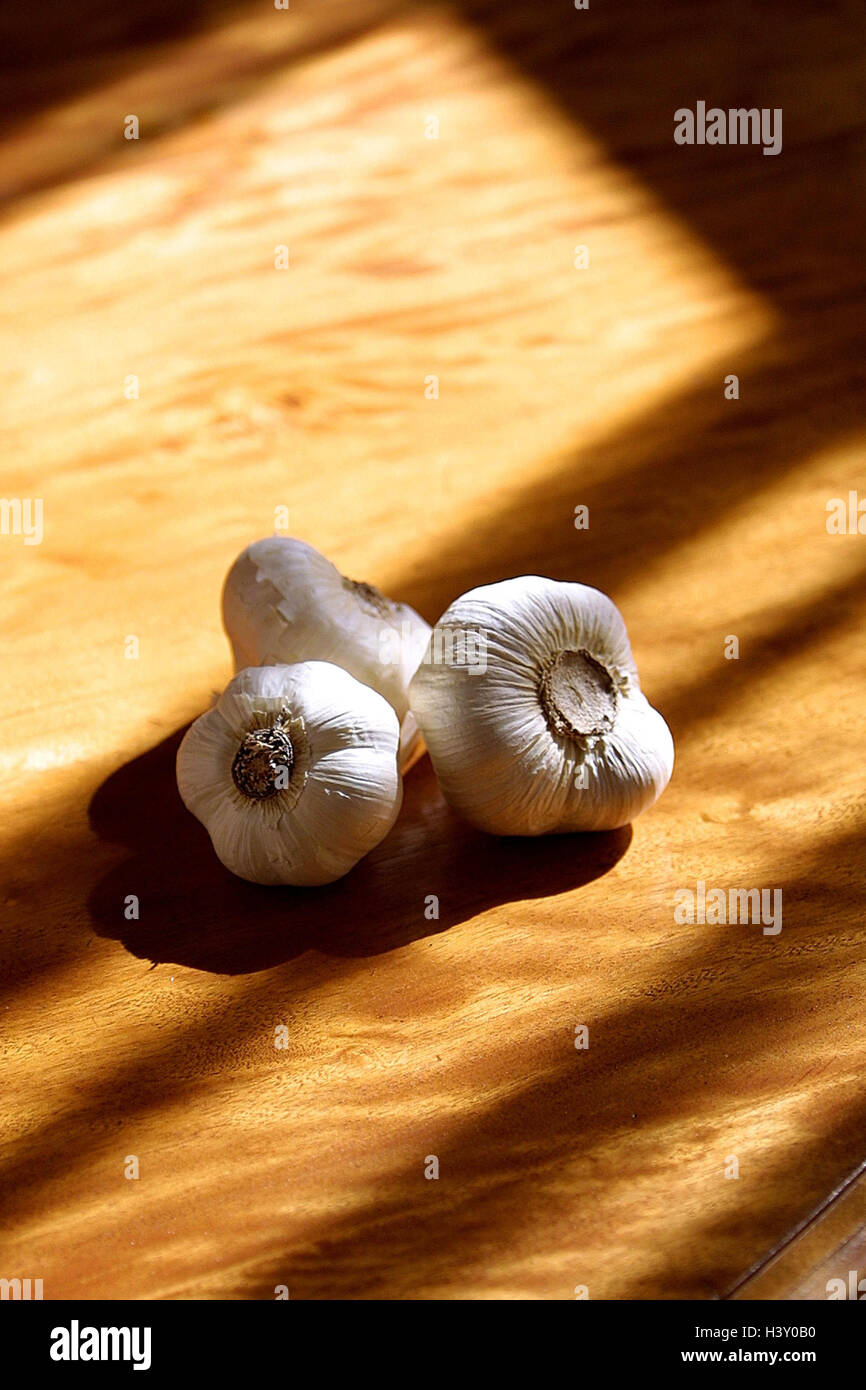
825, 1256
305, 388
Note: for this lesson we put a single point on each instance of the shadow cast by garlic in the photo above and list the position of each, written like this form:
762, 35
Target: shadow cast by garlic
431, 873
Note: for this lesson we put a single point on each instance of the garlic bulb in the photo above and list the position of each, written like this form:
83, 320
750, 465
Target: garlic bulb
284, 602
550, 731
293, 772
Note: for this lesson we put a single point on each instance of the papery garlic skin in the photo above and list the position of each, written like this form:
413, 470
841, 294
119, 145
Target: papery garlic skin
508, 758
343, 790
284, 602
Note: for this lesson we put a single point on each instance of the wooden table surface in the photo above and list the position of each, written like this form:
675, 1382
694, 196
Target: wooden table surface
304, 388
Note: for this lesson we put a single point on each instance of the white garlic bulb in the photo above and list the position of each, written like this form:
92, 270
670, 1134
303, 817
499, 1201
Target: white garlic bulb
284, 602
546, 728
293, 773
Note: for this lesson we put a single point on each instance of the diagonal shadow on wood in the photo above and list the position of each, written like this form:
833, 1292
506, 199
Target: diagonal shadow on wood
646, 1070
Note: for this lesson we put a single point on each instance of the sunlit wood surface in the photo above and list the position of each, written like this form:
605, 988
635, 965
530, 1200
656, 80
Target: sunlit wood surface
260, 388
